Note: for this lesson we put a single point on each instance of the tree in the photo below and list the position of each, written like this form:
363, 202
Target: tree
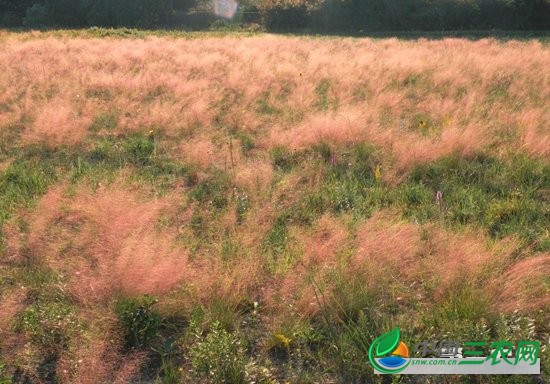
13, 11
67, 13
128, 13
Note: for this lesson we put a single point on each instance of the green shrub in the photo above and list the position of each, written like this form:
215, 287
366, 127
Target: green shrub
218, 356
139, 320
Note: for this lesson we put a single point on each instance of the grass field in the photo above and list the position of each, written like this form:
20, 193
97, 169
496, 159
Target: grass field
259, 208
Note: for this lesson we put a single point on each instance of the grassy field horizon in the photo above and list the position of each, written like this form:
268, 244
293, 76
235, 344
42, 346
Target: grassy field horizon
257, 208
250, 30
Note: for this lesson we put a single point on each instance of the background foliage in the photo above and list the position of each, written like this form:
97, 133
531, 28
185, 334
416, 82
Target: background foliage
313, 15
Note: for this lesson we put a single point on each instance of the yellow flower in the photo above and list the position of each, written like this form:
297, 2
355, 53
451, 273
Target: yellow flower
421, 123
378, 173
283, 339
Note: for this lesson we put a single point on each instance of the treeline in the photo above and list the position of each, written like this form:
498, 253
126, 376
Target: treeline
278, 15
81, 13
406, 15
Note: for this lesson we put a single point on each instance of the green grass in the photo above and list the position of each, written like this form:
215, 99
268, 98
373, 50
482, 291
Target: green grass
140, 321
502, 196
106, 121
228, 333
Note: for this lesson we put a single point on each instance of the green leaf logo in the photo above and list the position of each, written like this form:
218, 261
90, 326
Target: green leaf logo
384, 345
387, 342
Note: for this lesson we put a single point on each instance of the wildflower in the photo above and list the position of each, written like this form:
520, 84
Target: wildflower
333, 159
378, 173
283, 339
439, 199
421, 124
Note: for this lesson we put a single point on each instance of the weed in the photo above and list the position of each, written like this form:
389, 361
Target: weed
140, 321
242, 206
247, 143
284, 159
218, 356
140, 148
48, 324
276, 239
169, 372
324, 101
213, 190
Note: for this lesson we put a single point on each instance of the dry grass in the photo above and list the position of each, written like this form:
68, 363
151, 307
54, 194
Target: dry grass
11, 304
106, 242
323, 245
524, 285
424, 259
223, 104
378, 91
99, 359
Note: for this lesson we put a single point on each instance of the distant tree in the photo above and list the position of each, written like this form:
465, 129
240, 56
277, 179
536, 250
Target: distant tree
534, 14
287, 14
67, 13
37, 16
129, 13
12, 12
325, 15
